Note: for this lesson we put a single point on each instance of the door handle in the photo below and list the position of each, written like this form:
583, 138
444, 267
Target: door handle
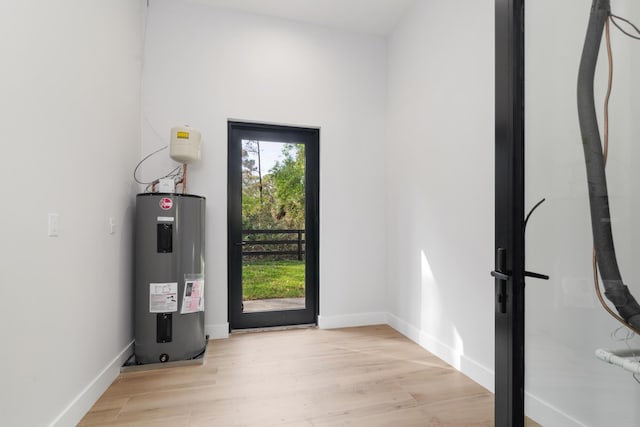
536, 275
241, 243
503, 276
501, 280
500, 276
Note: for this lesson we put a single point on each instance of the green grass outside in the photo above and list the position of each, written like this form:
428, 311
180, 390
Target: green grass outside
272, 279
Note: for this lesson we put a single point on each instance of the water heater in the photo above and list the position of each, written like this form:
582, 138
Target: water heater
169, 277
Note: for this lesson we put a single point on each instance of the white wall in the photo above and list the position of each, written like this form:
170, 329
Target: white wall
205, 65
69, 120
440, 187
566, 384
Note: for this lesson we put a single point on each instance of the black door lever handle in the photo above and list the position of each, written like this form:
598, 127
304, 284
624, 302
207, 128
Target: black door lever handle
536, 275
503, 276
500, 276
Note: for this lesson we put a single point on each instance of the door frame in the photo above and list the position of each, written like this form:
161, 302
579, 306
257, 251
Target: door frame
310, 137
509, 213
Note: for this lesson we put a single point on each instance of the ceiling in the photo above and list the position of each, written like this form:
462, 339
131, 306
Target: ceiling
365, 16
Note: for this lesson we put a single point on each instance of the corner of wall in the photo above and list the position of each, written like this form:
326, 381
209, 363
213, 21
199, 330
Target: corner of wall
471, 368
217, 330
352, 320
80, 405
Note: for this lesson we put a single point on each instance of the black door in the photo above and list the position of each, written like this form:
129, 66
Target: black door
273, 186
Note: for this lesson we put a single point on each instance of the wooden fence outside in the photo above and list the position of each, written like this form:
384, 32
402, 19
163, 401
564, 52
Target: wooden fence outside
257, 247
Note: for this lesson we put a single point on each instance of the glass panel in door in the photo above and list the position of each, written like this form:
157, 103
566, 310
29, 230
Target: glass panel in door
568, 331
273, 226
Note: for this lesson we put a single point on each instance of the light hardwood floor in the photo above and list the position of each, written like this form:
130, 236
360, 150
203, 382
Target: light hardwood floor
369, 376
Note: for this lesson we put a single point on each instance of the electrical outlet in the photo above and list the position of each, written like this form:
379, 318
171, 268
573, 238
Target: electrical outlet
53, 225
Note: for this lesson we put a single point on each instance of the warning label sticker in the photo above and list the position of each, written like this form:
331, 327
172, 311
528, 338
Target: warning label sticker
193, 299
163, 297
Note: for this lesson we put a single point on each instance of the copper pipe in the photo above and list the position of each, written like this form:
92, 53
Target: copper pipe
184, 178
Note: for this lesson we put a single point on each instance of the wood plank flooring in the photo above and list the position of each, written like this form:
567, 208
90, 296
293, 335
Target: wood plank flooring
369, 376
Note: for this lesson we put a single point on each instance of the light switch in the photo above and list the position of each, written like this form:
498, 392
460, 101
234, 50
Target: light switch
112, 225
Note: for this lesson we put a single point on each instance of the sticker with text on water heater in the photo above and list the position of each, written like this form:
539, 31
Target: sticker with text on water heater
193, 299
163, 297
166, 203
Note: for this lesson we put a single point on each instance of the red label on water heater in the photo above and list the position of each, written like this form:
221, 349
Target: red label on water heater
166, 203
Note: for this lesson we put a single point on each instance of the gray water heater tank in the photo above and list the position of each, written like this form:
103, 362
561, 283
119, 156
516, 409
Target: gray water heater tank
169, 277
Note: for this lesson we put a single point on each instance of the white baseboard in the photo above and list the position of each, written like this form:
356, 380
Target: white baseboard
538, 410
74, 412
547, 415
79, 406
471, 368
352, 320
217, 330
